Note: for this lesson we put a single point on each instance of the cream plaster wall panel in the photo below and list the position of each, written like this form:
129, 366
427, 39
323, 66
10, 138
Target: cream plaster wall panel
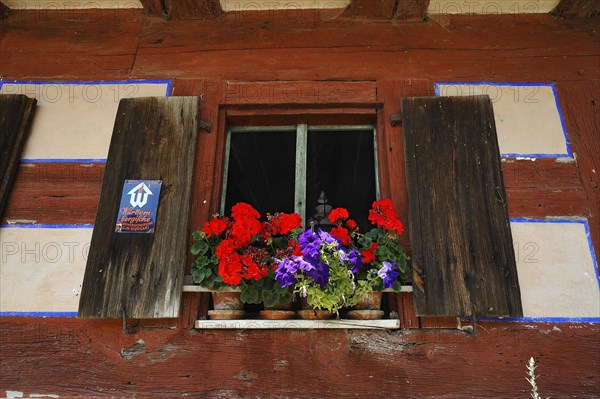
491, 6
556, 270
70, 5
75, 121
42, 268
258, 5
527, 118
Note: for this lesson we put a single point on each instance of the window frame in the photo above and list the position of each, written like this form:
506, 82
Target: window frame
302, 130
234, 103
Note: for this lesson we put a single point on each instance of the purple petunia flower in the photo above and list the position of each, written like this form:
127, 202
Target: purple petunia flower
327, 238
388, 273
310, 245
285, 274
354, 258
320, 274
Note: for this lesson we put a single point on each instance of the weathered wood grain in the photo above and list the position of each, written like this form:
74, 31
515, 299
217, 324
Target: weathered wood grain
50, 193
194, 9
577, 9
411, 10
370, 51
98, 44
275, 47
204, 201
392, 171
37, 354
4, 11
154, 8
295, 93
55, 193
16, 115
543, 188
581, 109
141, 275
462, 251
183, 9
372, 9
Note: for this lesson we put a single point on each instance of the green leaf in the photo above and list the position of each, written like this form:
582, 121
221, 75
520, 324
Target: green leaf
197, 235
250, 295
197, 276
365, 242
200, 247
269, 298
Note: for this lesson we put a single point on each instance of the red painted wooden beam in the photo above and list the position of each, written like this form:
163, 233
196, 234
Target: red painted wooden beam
159, 362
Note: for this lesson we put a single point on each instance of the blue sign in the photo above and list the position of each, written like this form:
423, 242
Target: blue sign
139, 202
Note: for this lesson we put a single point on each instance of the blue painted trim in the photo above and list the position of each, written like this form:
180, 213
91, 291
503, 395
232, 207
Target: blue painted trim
562, 121
528, 220
47, 226
63, 160
586, 227
169, 83
513, 155
592, 252
38, 314
541, 319
568, 154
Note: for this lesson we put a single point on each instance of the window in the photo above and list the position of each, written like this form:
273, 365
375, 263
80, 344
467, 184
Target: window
297, 168
460, 237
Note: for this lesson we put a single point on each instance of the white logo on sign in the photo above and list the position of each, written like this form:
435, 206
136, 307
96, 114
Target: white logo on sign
139, 195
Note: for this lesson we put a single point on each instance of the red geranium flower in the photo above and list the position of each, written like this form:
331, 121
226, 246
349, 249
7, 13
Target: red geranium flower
368, 255
214, 226
341, 234
398, 227
351, 224
337, 214
243, 230
241, 210
225, 249
295, 246
289, 222
230, 268
383, 215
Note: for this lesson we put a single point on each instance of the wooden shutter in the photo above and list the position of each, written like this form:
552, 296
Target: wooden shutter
462, 249
133, 274
16, 115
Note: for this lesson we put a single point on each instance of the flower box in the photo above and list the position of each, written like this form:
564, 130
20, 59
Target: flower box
274, 260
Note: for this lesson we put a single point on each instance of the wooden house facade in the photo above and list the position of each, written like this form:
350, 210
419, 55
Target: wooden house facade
97, 92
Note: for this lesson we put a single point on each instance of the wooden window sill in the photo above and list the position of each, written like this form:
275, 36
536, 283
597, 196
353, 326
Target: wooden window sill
189, 287
258, 324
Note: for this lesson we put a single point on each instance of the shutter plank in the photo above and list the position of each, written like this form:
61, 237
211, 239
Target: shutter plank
154, 138
463, 256
16, 115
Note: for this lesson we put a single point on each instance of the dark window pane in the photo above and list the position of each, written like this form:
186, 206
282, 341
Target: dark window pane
341, 164
261, 171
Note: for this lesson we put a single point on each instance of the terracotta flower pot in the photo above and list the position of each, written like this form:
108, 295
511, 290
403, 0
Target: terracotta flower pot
309, 313
368, 308
279, 311
227, 305
371, 302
